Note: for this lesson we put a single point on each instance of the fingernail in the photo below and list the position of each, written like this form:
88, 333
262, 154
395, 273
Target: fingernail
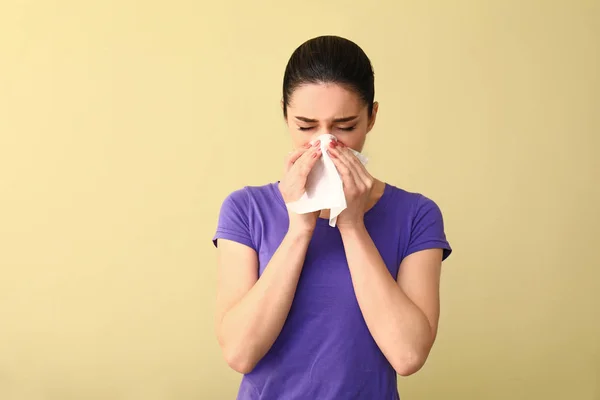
315, 155
332, 144
318, 142
306, 146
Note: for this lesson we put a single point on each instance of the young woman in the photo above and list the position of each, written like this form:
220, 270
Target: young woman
310, 311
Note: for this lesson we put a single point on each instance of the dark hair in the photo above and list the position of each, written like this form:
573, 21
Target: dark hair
330, 59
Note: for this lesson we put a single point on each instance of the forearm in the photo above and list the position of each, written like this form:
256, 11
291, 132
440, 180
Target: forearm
249, 329
398, 326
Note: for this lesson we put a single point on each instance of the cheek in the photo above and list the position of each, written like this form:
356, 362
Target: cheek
298, 138
354, 139
351, 143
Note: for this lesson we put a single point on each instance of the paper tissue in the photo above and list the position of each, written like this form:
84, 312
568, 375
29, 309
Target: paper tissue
324, 188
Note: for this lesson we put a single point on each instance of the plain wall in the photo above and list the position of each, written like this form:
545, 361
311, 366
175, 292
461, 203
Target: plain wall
124, 124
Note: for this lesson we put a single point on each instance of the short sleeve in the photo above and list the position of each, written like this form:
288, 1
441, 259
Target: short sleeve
233, 223
427, 230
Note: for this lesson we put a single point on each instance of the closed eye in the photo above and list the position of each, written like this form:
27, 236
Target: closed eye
346, 129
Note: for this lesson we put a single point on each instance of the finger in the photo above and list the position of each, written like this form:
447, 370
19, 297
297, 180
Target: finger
295, 155
306, 162
359, 168
345, 169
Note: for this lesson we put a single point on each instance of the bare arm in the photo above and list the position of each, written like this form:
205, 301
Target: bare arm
401, 315
251, 311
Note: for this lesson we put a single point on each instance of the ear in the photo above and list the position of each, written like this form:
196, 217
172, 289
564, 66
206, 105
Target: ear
282, 104
373, 117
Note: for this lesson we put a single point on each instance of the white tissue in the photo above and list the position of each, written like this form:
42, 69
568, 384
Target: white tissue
324, 188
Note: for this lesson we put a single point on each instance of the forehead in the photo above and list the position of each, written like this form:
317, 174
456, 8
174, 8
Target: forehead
325, 101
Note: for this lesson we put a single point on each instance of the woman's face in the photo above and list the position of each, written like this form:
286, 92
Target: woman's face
317, 109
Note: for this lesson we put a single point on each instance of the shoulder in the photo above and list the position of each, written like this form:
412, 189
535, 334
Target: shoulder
251, 203
410, 203
423, 219
244, 199
241, 212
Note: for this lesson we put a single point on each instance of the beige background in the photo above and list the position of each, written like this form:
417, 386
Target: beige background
121, 123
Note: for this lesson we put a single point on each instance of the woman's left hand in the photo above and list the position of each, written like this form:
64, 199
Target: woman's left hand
357, 184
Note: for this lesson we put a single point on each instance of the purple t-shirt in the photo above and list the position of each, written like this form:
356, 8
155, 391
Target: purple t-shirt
325, 350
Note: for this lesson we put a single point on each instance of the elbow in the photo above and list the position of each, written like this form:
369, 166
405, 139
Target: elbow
243, 366
409, 363
237, 352
239, 361
407, 369
412, 357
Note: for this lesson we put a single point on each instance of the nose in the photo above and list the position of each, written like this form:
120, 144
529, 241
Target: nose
322, 135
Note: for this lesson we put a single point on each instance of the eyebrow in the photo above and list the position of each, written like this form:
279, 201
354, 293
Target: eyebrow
345, 119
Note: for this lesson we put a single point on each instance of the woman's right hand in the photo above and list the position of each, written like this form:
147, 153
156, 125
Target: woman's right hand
293, 185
